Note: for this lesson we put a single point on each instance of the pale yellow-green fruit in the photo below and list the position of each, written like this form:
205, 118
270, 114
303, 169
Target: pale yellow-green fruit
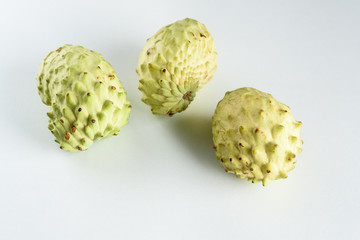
255, 136
87, 101
175, 63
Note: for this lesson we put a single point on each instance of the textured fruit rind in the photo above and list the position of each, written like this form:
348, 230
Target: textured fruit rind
87, 101
175, 63
255, 136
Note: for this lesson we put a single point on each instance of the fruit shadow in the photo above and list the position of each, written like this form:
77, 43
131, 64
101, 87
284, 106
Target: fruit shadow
194, 132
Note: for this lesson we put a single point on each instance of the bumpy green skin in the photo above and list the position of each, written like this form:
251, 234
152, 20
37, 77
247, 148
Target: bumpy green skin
175, 63
87, 101
255, 136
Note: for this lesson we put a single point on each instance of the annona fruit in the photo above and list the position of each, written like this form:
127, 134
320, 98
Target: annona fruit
255, 136
175, 63
87, 101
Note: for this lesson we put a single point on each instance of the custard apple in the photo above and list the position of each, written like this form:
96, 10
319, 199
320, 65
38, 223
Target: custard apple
175, 63
255, 136
87, 101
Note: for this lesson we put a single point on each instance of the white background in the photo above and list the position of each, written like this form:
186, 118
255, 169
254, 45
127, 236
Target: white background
159, 178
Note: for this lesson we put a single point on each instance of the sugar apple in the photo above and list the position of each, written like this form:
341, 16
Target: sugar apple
87, 101
255, 136
175, 63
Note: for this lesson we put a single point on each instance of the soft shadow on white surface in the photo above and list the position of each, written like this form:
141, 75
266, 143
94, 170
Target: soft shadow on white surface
194, 132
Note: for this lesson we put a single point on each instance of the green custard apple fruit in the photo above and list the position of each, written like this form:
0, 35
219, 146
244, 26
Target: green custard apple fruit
255, 136
87, 101
175, 63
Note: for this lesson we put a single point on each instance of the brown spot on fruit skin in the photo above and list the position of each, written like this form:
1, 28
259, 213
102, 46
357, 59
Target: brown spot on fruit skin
67, 136
186, 95
73, 129
85, 72
148, 52
164, 70
88, 94
222, 160
268, 171
113, 88
79, 148
61, 147
62, 121
240, 144
202, 35
230, 159
111, 77
251, 169
79, 109
93, 121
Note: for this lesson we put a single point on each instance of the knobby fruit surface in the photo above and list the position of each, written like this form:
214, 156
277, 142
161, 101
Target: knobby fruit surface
174, 64
255, 136
87, 101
